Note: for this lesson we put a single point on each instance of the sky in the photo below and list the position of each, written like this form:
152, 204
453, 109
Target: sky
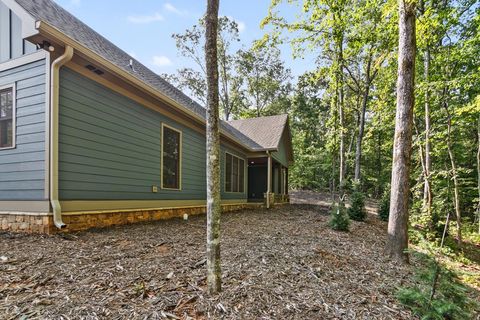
143, 28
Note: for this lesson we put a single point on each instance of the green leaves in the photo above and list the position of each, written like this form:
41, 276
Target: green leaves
339, 220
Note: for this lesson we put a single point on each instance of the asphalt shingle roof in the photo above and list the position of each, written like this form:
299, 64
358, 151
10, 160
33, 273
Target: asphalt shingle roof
51, 13
265, 131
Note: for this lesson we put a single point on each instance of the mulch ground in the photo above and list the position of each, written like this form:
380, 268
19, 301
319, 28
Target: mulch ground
283, 263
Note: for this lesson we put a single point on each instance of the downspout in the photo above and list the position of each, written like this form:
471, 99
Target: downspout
269, 178
54, 107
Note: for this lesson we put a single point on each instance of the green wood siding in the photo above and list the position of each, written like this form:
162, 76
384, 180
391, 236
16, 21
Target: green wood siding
22, 169
110, 147
281, 155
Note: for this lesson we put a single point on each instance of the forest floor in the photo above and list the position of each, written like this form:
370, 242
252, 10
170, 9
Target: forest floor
283, 263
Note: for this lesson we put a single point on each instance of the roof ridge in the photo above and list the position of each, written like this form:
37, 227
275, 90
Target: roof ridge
261, 117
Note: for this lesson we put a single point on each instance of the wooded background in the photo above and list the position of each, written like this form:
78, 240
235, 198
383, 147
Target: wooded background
342, 111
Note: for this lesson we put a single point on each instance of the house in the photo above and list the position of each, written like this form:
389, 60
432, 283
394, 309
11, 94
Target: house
89, 137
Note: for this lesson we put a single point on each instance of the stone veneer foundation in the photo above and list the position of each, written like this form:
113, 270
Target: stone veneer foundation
36, 223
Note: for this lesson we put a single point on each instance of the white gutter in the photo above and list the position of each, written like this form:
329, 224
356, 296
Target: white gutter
54, 106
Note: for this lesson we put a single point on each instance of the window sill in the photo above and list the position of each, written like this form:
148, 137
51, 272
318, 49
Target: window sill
8, 148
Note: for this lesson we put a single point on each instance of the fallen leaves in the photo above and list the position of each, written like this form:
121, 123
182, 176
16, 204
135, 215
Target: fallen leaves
283, 263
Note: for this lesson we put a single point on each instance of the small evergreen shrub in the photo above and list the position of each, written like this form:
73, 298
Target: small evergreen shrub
384, 206
357, 207
339, 218
449, 302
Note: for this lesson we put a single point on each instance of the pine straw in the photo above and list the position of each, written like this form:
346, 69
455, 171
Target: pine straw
278, 264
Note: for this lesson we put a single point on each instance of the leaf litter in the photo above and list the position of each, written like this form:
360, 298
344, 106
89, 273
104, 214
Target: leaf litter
283, 263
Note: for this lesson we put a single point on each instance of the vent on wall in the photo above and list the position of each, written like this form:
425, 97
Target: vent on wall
94, 69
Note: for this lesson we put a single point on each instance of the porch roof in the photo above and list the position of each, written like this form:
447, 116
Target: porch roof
265, 131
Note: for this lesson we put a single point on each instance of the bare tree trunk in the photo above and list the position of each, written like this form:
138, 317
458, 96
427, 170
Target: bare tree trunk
361, 128
397, 241
456, 186
214, 277
427, 190
341, 114
380, 187
478, 172
334, 151
353, 137
227, 109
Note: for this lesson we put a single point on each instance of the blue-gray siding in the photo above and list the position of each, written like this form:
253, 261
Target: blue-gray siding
11, 43
110, 147
22, 170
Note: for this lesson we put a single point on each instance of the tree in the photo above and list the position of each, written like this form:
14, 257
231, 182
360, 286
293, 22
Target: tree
339, 220
214, 277
400, 188
357, 209
366, 48
321, 27
194, 80
343, 118
264, 77
427, 161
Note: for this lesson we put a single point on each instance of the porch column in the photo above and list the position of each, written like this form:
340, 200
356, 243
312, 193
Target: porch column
284, 181
269, 179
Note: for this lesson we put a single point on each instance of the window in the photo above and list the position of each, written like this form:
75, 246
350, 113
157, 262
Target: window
7, 118
234, 173
171, 158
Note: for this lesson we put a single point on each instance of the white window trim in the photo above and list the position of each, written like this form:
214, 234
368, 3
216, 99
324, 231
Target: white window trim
244, 174
14, 114
164, 125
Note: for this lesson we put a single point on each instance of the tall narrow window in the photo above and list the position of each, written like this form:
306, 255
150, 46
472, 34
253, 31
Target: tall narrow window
7, 117
171, 158
234, 174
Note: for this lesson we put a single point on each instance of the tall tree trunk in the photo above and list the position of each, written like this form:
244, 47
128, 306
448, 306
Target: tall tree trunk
361, 128
397, 241
341, 114
478, 172
227, 108
379, 189
456, 186
214, 276
334, 109
353, 137
427, 190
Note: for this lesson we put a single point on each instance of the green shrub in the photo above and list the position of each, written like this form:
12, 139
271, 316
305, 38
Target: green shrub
384, 206
339, 218
357, 206
449, 302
